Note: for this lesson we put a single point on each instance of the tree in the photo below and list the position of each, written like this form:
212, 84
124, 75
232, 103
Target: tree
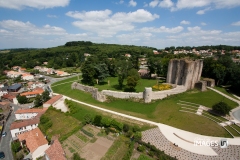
77, 157
45, 96
22, 99
88, 72
132, 79
16, 146
38, 101
122, 68
97, 120
101, 72
126, 127
87, 118
221, 108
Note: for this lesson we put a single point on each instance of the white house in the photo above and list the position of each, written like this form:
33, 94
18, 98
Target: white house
17, 128
34, 85
27, 77
35, 142
34, 93
13, 74
22, 114
57, 102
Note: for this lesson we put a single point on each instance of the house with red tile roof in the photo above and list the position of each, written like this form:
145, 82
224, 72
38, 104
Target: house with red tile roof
34, 93
61, 73
27, 77
52, 101
10, 97
55, 151
20, 127
35, 141
22, 114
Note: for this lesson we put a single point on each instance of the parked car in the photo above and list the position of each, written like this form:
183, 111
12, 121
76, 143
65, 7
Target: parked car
4, 134
2, 155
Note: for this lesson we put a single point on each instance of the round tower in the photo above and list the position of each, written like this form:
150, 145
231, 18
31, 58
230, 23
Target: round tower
147, 95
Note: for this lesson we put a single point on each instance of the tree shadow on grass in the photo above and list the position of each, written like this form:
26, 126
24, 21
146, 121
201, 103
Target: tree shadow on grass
129, 90
117, 87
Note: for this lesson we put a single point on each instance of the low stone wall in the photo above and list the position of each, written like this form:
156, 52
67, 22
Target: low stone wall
123, 95
163, 94
148, 95
94, 91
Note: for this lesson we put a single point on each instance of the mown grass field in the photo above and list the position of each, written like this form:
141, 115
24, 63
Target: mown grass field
164, 111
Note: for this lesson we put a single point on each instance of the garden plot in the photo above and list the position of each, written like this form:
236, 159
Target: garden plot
90, 148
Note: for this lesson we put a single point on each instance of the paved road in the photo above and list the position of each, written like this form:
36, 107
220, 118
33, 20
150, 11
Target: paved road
6, 141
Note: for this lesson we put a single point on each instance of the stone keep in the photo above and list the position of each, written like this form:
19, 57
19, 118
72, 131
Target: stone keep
184, 72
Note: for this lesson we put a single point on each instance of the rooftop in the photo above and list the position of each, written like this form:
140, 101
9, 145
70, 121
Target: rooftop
55, 151
21, 111
36, 91
15, 86
33, 138
24, 123
53, 99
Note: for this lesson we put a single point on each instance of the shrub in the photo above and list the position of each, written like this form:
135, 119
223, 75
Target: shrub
87, 133
141, 148
16, 146
162, 87
221, 108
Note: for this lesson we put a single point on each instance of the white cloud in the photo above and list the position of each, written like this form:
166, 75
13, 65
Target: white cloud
182, 4
132, 3
121, 2
106, 24
201, 12
163, 29
184, 22
153, 3
39, 4
166, 4
51, 16
203, 24
236, 23
22, 28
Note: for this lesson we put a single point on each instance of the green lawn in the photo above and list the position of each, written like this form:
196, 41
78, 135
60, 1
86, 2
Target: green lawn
164, 111
113, 85
144, 157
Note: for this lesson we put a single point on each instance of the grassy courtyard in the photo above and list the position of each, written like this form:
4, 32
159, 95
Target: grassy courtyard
113, 84
164, 111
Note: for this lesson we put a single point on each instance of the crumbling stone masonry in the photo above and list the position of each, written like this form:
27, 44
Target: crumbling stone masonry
184, 72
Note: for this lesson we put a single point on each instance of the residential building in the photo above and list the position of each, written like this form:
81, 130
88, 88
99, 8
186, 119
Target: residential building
54, 100
34, 85
155, 52
15, 87
55, 152
128, 55
16, 68
22, 114
34, 93
35, 142
143, 73
13, 74
21, 69
17, 128
10, 97
62, 73
27, 77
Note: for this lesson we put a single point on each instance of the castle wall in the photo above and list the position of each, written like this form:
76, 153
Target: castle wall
122, 95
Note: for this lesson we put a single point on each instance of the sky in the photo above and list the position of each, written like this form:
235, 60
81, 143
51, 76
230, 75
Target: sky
153, 23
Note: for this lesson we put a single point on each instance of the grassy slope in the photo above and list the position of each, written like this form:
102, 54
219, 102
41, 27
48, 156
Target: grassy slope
164, 111
62, 124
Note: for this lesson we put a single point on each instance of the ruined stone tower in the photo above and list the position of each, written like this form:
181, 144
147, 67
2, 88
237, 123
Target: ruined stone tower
184, 72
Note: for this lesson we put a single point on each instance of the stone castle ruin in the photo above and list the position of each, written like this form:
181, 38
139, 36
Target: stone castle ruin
184, 72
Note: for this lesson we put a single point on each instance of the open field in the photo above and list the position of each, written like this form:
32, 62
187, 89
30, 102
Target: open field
142, 83
62, 125
164, 111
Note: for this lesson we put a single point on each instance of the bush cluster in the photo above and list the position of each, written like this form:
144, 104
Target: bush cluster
162, 87
71, 106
